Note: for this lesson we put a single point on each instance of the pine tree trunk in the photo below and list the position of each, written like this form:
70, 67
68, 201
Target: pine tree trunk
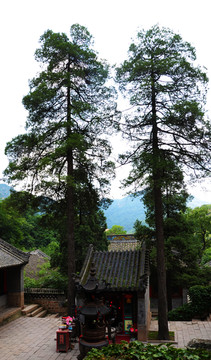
163, 331
70, 238
70, 210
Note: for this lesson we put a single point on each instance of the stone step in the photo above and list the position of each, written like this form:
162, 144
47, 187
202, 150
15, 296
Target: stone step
36, 311
29, 309
54, 316
41, 314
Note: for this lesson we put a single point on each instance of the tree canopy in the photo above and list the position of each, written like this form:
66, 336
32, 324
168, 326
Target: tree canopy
165, 85
69, 108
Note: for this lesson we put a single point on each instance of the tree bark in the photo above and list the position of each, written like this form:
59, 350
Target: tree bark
70, 237
70, 210
163, 331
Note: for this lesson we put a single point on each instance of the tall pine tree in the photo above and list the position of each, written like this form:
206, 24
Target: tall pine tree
70, 108
167, 92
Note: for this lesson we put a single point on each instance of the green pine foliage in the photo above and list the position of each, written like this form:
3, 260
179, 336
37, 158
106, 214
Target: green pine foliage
70, 109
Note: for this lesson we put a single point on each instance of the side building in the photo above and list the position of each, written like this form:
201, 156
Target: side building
12, 262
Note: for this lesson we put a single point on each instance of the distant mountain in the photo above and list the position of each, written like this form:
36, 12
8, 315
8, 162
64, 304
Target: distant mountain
127, 210
4, 191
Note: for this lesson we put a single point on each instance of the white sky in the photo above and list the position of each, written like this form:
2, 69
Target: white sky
111, 22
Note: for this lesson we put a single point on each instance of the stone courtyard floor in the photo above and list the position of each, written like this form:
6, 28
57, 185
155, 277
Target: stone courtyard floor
187, 330
34, 338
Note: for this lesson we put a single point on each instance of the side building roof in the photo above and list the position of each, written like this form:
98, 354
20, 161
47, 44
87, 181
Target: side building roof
11, 256
122, 242
123, 270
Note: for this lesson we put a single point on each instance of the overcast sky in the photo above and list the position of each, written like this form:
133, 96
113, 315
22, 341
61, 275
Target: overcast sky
112, 23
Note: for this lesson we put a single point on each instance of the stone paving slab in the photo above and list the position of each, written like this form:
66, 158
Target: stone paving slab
34, 338
187, 330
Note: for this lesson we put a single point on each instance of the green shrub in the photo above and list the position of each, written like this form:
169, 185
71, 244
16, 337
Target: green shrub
200, 297
182, 313
137, 350
200, 305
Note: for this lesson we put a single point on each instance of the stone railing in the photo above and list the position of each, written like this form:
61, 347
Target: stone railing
53, 300
43, 291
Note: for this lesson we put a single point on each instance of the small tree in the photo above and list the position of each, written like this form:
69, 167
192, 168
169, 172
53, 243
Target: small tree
116, 230
167, 93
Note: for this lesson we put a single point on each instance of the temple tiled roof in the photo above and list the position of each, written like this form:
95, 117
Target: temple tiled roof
11, 256
123, 270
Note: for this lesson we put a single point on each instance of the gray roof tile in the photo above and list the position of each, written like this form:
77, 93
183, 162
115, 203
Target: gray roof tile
124, 270
11, 256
